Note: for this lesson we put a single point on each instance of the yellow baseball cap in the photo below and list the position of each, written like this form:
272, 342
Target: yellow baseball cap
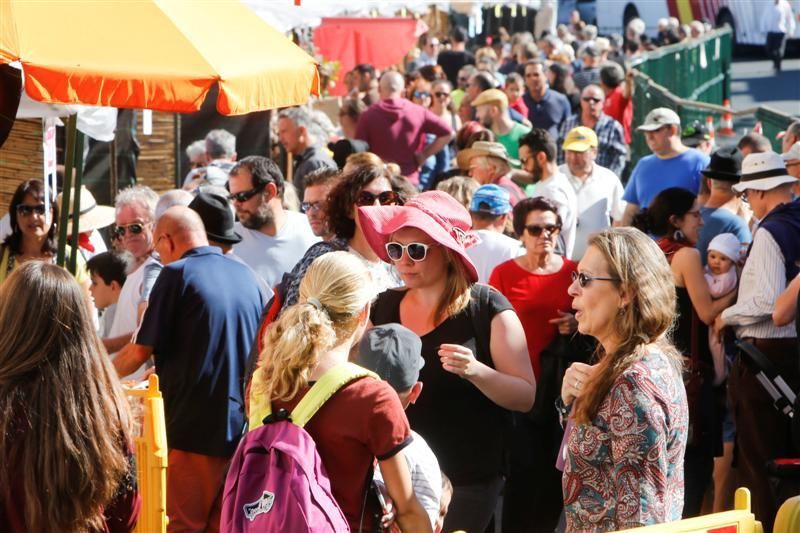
580, 139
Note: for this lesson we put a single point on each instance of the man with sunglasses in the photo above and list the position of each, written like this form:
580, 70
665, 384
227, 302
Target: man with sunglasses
273, 239
672, 164
135, 221
612, 152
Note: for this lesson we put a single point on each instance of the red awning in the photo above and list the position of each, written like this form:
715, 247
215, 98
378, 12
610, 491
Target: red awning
381, 42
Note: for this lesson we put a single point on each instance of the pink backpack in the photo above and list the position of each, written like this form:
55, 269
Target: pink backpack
276, 482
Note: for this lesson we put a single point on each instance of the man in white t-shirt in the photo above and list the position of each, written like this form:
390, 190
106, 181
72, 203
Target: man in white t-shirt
491, 212
394, 352
537, 152
598, 190
273, 239
135, 222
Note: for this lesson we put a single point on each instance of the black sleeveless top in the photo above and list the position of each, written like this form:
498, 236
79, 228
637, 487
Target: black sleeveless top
465, 429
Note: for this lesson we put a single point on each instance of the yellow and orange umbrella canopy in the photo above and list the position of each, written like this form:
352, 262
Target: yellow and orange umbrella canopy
154, 54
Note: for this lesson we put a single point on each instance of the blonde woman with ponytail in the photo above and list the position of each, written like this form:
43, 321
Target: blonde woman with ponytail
624, 453
364, 420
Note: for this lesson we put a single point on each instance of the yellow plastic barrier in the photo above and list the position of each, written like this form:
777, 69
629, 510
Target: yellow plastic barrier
740, 520
151, 459
788, 518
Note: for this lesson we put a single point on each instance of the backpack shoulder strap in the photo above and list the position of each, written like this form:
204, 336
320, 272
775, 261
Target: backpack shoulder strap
333, 380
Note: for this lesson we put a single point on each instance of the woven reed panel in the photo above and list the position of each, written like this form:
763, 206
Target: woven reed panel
156, 166
20, 158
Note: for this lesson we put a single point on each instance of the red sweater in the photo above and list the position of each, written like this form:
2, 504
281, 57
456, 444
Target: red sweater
536, 298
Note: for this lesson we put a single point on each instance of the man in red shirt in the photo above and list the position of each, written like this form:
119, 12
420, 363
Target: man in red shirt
619, 96
395, 128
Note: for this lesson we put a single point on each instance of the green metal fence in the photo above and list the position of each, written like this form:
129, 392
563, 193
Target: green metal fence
694, 80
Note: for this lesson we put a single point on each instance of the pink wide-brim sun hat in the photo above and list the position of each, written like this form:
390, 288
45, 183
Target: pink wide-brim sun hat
436, 213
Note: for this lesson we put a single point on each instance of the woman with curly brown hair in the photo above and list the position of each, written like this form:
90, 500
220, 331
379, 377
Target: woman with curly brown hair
65, 435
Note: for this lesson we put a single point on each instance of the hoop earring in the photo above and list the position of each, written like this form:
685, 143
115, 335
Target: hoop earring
678, 235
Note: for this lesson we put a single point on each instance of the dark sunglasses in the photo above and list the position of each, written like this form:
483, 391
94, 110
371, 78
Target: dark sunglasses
592, 99
243, 196
583, 280
366, 198
416, 251
27, 210
134, 229
535, 230
422, 94
441, 94
311, 206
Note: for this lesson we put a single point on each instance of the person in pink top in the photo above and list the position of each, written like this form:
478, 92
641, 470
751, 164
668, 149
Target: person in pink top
395, 128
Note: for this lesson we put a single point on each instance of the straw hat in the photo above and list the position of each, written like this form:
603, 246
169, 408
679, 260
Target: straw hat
486, 149
92, 216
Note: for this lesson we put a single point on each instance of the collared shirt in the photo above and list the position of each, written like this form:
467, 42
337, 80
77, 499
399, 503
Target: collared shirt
611, 151
549, 112
201, 320
763, 280
778, 18
311, 159
599, 200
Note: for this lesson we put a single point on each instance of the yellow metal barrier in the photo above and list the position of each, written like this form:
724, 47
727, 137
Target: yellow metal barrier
740, 520
151, 459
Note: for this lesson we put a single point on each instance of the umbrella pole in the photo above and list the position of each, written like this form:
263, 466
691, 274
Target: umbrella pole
76, 210
66, 188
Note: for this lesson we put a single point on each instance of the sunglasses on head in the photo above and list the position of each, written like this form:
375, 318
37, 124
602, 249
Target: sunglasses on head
416, 251
366, 198
27, 210
592, 99
135, 229
243, 196
583, 280
535, 230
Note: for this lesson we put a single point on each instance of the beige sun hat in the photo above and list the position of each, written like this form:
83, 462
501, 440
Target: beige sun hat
486, 149
92, 216
763, 172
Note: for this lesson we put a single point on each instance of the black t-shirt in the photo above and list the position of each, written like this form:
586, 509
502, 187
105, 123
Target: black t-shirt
451, 62
465, 429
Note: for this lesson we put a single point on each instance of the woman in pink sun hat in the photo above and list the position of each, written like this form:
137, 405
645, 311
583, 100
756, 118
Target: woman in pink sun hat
477, 367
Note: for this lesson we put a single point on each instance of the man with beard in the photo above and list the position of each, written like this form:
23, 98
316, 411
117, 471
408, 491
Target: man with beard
537, 153
492, 112
273, 239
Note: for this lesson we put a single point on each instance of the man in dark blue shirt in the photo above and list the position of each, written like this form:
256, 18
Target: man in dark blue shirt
200, 323
547, 109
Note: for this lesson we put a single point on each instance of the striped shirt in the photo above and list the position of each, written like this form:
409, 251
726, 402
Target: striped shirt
763, 280
611, 151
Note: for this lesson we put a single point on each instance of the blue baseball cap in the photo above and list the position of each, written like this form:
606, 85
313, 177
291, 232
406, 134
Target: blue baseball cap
490, 199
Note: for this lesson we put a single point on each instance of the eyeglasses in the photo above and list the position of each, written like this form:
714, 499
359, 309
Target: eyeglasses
311, 206
535, 230
592, 99
422, 94
583, 280
416, 251
27, 210
135, 229
243, 196
441, 94
366, 198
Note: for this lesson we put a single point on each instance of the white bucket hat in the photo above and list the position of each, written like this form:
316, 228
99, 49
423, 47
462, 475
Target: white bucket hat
763, 172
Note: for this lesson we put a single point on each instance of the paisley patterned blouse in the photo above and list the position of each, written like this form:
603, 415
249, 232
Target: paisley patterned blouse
625, 468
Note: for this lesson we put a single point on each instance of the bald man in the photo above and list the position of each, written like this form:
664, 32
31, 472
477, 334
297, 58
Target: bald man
199, 325
395, 128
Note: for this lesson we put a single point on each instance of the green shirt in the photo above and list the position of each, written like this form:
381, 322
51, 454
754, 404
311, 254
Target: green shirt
511, 140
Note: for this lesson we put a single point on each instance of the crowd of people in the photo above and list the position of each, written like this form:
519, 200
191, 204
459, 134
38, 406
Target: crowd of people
549, 328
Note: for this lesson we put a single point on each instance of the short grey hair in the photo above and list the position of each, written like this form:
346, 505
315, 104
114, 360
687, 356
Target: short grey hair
139, 195
303, 117
195, 149
171, 198
220, 144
